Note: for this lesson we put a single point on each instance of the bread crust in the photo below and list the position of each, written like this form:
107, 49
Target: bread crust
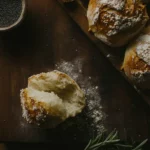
115, 22
135, 67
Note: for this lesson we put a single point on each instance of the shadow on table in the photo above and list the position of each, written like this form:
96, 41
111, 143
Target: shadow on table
18, 146
38, 146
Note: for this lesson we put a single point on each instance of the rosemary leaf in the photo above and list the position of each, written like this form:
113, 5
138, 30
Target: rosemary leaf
140, 145
111, 142
98, 138
86, 148
123, 145
114, 136
104, 143
110, 135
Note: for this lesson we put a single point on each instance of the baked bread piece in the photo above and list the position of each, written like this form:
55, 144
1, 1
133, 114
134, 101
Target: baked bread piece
51, 98
115, 22
136, 63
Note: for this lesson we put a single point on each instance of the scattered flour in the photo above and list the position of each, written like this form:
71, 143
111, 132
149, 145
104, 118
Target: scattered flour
108, 55
118, 22
94, 108
117, 4
143, 48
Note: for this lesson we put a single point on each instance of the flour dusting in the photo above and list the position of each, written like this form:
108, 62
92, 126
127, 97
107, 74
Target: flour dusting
116, 4
143, 47
87, 84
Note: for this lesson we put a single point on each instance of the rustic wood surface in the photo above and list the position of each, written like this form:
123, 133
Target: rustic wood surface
46, 36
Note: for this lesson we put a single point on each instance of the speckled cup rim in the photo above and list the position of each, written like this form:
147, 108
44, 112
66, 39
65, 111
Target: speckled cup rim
18, 20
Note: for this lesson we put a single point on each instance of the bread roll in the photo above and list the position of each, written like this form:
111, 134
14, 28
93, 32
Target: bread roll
51, 98
115, 22
137, 60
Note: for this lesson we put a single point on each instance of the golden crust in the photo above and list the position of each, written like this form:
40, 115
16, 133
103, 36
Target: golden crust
38, 113
116, 25
32, 108
136, 69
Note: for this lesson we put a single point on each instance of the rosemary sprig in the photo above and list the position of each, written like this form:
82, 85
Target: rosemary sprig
111, 142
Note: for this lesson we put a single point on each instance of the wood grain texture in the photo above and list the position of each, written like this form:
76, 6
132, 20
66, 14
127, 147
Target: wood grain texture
46, 36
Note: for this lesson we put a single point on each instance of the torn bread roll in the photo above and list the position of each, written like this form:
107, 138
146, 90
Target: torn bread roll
136, 63
115, 22
51, 98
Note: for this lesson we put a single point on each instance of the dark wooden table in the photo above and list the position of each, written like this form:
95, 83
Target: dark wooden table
46, 36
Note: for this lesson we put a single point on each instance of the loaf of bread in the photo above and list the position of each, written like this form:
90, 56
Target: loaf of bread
115, 22
51, 98
136, 63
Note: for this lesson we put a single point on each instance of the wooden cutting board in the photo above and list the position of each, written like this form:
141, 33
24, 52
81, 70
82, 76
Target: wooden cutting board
77, 11
46, 36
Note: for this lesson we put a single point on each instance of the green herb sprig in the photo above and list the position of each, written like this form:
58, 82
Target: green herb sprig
111, 142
